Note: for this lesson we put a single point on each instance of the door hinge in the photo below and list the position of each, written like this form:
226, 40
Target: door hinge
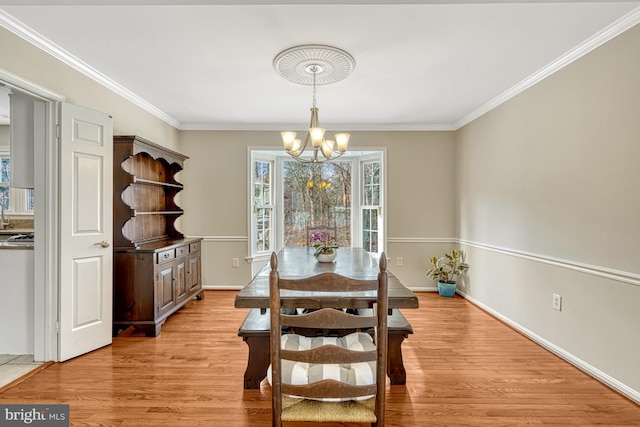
58, 131
57, 327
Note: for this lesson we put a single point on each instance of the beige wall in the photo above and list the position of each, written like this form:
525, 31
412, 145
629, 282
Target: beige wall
215, 197
549, 202
32, 64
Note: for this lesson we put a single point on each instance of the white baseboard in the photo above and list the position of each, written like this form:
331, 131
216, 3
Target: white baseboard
423, 289
560, 352
222, 287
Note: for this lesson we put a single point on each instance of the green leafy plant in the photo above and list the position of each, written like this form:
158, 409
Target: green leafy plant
445, 269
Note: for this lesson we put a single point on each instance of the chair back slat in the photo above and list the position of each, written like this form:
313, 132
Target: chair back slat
328, 282
330, 319
337, 389
329, 353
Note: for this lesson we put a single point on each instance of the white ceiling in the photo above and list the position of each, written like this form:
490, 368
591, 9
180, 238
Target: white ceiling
420, 65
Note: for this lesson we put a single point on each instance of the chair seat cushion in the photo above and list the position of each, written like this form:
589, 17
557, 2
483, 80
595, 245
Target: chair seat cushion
307, 373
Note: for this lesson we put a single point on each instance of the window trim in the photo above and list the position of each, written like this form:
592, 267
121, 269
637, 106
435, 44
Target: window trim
380, 207
258, 155
277, 155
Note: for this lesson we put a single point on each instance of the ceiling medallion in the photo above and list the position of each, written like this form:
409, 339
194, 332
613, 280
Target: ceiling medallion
333, 64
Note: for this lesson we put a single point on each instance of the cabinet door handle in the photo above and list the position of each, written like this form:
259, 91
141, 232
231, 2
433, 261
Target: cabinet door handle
104, 244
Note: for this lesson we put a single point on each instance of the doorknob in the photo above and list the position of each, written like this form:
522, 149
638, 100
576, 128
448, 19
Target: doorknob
104, 244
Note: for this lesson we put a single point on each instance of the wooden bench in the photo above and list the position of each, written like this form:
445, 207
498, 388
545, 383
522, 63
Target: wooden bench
255, 332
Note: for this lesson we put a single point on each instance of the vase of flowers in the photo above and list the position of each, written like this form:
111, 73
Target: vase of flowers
326, 248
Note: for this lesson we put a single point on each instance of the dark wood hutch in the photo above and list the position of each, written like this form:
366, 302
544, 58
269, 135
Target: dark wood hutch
156, 269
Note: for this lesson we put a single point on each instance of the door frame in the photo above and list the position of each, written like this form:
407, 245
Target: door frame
46, 253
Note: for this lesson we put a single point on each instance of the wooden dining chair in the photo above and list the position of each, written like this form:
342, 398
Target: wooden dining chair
339, 378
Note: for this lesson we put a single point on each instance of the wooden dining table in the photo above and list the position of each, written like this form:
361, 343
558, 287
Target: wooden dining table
300, 263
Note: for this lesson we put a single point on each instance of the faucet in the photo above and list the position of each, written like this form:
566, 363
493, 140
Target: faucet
4, 223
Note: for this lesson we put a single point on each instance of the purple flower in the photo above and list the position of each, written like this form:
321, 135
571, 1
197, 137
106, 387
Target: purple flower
321, 240
321, 237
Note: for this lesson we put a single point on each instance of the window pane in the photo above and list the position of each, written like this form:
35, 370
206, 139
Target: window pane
5, 169
259, 241
375, 195
29, 199
375, 173
371, 184
262, 179
373, 242
262, 205
371, 201
267, 240
263, 225
316, 195
4, 197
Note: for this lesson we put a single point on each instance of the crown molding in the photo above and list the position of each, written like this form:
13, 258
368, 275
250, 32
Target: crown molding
23, 31
616, 28
352, 127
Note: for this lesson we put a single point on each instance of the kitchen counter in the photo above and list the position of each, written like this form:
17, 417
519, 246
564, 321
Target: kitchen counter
12, 231
7, 233
16, 245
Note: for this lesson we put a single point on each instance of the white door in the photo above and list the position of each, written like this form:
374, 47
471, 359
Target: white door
86, 230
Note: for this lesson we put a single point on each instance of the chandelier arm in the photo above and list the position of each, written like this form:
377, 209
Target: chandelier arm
304, 144
332, 157
321, 160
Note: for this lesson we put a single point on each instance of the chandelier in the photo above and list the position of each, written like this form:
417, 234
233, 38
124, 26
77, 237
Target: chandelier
314, 64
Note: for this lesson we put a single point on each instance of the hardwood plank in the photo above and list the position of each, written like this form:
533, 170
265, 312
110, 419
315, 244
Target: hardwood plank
464, 368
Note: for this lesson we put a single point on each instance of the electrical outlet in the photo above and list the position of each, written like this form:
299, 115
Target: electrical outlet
235, 263
557, 302
400, 261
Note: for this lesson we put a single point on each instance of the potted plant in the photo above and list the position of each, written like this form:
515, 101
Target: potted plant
445, 269
325, 247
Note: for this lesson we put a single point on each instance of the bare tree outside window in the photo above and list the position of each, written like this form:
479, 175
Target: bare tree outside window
316, 195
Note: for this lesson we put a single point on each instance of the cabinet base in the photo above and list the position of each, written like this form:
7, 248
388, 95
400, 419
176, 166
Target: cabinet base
149, 329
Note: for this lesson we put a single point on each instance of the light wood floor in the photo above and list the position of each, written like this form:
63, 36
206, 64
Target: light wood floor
465, 368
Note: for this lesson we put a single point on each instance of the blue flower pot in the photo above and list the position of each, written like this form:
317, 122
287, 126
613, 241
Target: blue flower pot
446, 289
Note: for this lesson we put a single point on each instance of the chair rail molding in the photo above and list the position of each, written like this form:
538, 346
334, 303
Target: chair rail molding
223, 238
422, 240
596, 270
